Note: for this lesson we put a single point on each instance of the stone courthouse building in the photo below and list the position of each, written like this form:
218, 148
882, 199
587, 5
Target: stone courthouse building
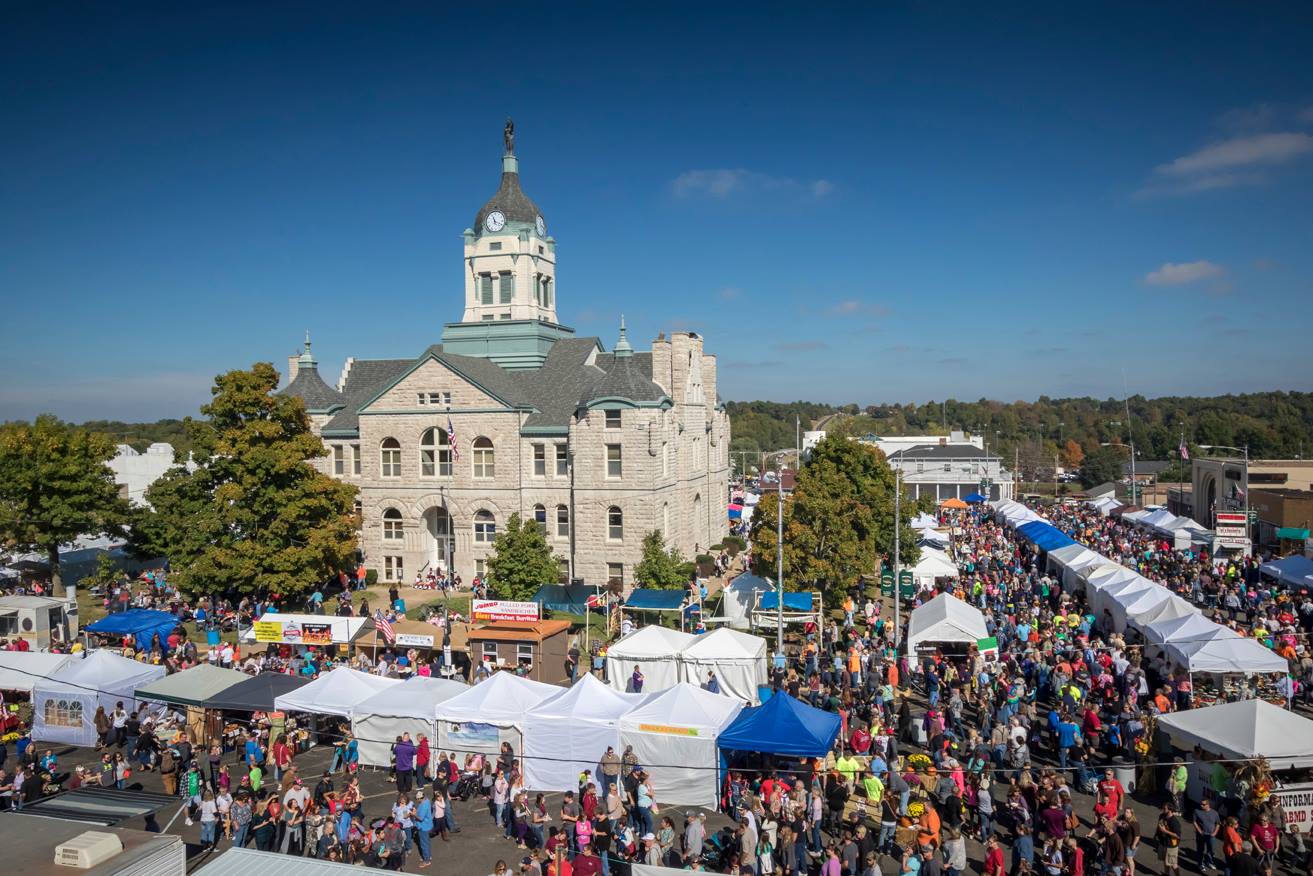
512, 413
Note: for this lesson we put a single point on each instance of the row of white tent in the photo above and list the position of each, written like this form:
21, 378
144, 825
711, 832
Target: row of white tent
1183, 531
1159, 616
667, 657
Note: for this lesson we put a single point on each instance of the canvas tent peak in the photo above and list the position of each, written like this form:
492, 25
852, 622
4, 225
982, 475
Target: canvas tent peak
654, 650
191, 687
140, 623
257, 693
24, 670
785, 726
1243, 730
64, 705
738, 659
1226, 654
408, 707
945, 619
568, 733
334, 692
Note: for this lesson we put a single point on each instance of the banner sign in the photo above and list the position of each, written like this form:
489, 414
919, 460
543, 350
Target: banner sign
500, 609
1297, 802
407, 640
293, 632
268, 631
315, 634
668, 730
1231, 524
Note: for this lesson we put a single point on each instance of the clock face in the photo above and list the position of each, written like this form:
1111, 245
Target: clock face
541, 226
496, 221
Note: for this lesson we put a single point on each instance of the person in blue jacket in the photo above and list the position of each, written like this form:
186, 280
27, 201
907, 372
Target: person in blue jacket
422, 824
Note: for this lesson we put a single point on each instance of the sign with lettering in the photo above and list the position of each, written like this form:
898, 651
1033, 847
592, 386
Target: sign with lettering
268, 631
409, 640
1297, 802
501, 609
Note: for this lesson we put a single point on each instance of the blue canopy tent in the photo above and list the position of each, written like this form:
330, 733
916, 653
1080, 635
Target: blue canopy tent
975, 499
1044, 536
139, 622
1292, 571
782, 725
655, 600
569, 598
792, 601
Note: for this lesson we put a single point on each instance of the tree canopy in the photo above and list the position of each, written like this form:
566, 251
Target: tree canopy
254, 516
1102, 465
659, 567
55, 485
521, 561
839, 522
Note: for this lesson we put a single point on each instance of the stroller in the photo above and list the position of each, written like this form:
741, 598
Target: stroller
466, 787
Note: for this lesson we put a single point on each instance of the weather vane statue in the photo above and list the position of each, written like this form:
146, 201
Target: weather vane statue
508, 134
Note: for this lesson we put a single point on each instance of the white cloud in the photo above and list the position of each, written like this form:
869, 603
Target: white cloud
1240, 152
724, 183
853, 307
1174, 274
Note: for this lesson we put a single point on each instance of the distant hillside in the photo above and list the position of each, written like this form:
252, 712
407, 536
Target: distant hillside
141, 435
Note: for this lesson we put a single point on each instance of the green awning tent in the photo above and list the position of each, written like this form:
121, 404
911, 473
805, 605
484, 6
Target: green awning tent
191, 687
1292, 533
569, 598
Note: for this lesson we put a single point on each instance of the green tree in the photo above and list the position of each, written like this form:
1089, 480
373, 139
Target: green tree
839, 522
521, 561
659, 567
55, 484
1101, 465
926, 504
254, 516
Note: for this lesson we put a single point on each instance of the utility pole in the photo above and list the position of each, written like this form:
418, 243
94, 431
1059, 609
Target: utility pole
898, 601
779, 565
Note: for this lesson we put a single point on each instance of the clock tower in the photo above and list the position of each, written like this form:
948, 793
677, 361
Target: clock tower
510, 278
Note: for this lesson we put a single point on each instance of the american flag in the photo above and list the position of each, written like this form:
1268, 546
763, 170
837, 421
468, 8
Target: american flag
1183, 450
385, 626
451, 440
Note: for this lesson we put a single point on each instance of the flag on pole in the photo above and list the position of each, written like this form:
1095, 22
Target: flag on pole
385, 626
1183, 450
451, 440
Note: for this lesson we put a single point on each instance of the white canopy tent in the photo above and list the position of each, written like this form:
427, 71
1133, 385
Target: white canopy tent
1244, 730
569, 733
1170, 609
489, 713
64, 705
925, 521
931, 565
1073, 577
23, 670
1226, 653
739, 598
655, 650
1064, 556
1136, 516
738, 659
335, 692
1020, 516
1106, 576
408, 707
1184, 630
945, 619
1105, 598
1133, 603
674, 737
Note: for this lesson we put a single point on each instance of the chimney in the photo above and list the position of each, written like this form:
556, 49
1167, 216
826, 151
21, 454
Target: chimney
661, 363
291, 367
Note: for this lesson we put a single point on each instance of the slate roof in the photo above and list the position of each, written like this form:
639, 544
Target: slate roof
552, 394
511, 200
311, 389
942, 451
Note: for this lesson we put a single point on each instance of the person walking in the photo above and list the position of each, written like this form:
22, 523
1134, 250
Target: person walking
422, 822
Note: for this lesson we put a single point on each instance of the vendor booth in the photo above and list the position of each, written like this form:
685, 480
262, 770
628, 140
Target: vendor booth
1225, 652
478, 720
140, 623
257, 693
799, 608
408, 707
932, 566
738, 659
674, 736
1186, 629
335, 692
783, 725
1106, 576
655, 650
1105, 598
24, 670
1293, 571
945, 621
739, 599
64, 705
569, 733
1134, 603
191, 687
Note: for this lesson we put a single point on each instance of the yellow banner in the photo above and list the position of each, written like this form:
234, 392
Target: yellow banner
668, 730
268, 631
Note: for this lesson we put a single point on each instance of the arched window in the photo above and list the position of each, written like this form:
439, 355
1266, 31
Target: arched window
562, 521
390, 458
392, 526
540, 517
484, 463
615, 523
434, 454
485, 527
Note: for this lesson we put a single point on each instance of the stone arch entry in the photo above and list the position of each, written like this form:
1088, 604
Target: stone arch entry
439, 540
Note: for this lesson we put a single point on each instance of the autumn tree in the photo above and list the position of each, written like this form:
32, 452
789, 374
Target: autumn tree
1072, 455
253, 517
55, 485
521, 561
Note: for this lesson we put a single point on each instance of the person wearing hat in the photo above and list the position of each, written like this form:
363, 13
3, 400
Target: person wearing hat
651, 851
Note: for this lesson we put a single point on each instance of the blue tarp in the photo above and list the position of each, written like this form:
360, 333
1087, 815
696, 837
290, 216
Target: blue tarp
1291, 570
792, 601
571, 598
782, 725
655, 600
975, 499
141, 622
1044, 536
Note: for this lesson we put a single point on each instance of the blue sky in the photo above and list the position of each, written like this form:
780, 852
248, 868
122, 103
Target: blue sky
893, 203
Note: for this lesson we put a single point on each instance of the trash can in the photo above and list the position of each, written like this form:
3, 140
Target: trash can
1124, 770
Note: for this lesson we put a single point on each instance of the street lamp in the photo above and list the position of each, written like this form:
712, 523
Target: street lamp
1244, 451
1131, 447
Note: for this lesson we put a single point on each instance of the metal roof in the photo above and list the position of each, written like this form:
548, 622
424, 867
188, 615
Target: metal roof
250, 862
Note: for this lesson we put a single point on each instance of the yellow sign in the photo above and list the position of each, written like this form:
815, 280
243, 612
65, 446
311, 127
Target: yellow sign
668, 730
268, 631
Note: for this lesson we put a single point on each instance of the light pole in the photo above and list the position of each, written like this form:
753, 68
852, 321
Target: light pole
898, 604
779, 565
1131, 448
1245, 453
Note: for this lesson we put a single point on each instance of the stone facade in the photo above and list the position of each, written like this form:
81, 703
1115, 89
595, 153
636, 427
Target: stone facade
602, 448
